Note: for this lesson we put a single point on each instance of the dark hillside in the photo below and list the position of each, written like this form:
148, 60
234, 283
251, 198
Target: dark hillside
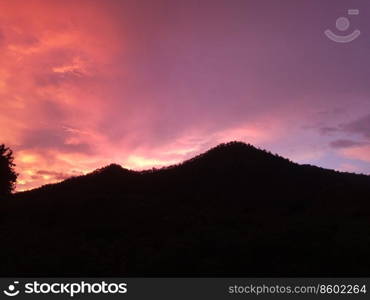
232, 211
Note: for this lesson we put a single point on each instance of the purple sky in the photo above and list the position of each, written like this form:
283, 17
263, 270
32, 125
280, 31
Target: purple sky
148, 83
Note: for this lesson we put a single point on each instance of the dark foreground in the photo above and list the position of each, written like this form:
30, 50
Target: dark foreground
233, 211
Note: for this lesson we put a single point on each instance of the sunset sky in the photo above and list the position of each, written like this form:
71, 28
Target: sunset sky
151, 83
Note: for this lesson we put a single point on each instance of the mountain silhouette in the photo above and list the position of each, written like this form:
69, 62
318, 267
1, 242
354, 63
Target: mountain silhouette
234, 210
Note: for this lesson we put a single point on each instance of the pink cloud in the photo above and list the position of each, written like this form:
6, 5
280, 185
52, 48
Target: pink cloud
360, 153
87, 83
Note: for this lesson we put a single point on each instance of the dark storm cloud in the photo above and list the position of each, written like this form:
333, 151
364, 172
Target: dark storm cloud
55, 175
345, 144
360, 126
328, 130
48, 139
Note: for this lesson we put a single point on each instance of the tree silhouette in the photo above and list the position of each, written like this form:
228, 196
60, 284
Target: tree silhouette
8, 176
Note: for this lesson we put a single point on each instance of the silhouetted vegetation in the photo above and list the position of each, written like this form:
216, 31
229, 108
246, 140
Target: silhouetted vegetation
8, 177
232, 211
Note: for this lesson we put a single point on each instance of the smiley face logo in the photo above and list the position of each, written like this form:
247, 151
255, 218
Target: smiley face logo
342, 24
11, 291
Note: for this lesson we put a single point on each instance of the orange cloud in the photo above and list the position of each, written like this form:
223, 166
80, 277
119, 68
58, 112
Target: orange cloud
87, 83
51, 52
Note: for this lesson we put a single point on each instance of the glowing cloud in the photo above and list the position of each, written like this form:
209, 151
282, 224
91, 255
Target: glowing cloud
149, 83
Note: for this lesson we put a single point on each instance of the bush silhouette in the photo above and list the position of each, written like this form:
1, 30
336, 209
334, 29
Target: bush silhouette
8, 176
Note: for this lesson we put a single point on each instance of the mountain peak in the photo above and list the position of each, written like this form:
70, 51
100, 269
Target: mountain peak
112, 168
240, 152
235, 145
